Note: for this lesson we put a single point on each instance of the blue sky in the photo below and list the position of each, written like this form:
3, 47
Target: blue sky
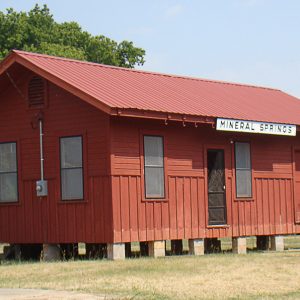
247, 41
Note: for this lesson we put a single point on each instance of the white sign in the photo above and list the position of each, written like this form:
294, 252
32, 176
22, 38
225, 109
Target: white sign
256, 127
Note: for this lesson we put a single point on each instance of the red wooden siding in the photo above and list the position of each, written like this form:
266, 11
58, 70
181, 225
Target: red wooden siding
297, 184
184, 214
34, 220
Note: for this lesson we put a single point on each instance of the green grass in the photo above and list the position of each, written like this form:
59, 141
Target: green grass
221, 276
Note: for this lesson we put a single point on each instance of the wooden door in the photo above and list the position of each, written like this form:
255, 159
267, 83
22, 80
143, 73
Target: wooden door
297, 186
216, 187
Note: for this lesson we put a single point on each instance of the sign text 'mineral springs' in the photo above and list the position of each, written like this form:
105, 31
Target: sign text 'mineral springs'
255, 127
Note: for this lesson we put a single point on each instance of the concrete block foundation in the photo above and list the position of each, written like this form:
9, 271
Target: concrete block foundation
116, 251
239, 245
196, 247
277, 243
157, 249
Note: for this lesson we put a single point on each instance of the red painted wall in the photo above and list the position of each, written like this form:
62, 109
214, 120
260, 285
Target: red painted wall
184, 214
48, 219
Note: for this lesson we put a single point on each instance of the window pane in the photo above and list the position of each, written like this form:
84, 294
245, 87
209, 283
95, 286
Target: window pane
216, 199
242, 156
8, 187
71, 152
8, 157
153, 148
72, 184
243, 183
154, 182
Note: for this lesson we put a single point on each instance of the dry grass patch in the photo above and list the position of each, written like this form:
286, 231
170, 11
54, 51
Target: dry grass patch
256, 275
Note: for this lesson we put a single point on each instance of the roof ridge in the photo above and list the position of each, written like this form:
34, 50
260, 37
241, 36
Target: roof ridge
143, 71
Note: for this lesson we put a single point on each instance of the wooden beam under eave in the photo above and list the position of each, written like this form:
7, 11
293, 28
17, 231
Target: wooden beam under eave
154, 115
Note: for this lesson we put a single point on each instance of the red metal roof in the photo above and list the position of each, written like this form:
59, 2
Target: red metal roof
127, 89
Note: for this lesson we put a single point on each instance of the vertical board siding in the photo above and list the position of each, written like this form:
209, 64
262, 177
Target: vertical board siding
184, 214
136, 220
271, 212
38, 220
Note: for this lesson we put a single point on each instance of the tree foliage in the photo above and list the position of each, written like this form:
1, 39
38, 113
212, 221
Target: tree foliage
37, 31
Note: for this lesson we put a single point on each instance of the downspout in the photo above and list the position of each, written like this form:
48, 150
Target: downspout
41, 149
42, 184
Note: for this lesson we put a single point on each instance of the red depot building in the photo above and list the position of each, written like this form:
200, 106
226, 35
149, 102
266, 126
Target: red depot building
107, 156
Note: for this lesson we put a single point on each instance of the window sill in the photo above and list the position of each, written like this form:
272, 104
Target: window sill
243, 199
17, 203
73, 201
217, 226
159, 200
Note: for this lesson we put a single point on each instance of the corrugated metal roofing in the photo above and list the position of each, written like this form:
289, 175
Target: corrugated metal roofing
132, 89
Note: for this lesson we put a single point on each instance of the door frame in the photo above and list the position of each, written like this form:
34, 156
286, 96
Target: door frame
227, 156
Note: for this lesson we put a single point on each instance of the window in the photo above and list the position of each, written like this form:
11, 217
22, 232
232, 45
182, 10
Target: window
154, 167
71, 168
8, 173
243, 170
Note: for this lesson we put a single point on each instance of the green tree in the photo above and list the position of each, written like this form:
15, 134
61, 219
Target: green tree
37, 31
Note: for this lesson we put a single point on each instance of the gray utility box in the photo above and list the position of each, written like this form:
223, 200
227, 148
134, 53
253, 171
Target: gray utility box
42, 188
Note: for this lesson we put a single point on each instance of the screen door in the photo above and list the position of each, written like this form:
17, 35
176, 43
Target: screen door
216, 187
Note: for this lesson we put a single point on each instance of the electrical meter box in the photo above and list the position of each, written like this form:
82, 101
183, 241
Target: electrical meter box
42, 188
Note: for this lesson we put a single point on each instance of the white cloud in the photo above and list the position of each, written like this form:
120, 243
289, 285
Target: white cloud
174, 10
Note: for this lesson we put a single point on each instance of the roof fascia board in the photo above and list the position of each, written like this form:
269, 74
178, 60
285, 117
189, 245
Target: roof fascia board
7, 62
68, 87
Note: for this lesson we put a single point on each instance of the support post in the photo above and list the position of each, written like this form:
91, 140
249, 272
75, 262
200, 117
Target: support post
277, 243
157, 249
239, 245
116, 251
196, 247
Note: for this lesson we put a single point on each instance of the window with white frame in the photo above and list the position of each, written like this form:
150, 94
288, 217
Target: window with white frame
243, 173
8, 172
71, 168
154, 167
